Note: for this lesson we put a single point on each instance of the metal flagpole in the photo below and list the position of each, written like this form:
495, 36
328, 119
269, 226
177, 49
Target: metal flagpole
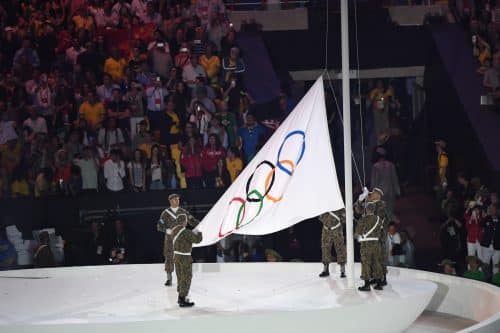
346, 105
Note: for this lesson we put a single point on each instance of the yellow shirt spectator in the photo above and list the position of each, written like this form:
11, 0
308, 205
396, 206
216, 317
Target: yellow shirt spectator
234, 167
114, 67
211, 65
174, 129
92, 113
86, 23
20, 188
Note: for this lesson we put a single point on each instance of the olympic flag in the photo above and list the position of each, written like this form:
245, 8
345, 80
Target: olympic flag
292, 178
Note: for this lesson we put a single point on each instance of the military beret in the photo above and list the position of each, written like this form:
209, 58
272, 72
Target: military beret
173, 195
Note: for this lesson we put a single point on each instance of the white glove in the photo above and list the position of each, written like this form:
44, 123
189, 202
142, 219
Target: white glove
168, 231
363, 195
196, 232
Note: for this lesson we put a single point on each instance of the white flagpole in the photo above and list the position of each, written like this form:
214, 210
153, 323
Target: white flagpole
346, 105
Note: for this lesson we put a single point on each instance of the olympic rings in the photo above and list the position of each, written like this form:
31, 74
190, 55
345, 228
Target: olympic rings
251, 177
254, 196
279, 164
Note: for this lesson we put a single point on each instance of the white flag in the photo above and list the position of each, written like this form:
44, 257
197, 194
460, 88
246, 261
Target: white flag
292, 178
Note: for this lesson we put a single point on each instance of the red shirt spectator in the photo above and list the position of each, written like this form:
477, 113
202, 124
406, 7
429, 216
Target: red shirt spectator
473, 222
191, 160
211, 154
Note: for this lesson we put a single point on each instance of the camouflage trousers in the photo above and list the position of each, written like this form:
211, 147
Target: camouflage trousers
168, 253
370, 264
335, 237
184, 273
383, 259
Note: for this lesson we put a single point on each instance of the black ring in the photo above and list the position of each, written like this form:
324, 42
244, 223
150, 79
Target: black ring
250, 180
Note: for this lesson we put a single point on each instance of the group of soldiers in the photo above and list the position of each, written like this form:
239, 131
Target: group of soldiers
371, 233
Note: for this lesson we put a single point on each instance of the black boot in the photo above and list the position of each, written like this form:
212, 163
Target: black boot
168, 283
372, 281
325, 272
342, 271
384, 281
366, 287
184, 302
378, 286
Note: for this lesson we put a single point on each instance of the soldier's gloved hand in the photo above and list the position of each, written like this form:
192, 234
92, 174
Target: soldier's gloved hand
196, 232
168, 231
161, 221
363, 195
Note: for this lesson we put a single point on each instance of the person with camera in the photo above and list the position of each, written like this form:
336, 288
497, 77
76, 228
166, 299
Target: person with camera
155, 96
170, 218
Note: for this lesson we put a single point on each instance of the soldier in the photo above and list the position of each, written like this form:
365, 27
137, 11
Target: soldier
171, 217
182, 240
380, 210
368, 233
332, 234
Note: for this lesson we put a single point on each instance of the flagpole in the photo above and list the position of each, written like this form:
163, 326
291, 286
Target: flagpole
346, 105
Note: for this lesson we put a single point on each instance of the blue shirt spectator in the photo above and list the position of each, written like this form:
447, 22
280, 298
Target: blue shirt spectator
26, 52
251, 135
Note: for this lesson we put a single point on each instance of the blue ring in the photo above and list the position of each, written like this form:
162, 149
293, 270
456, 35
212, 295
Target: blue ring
278, 163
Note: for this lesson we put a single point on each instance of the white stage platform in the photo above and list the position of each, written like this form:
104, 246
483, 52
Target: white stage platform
265, 297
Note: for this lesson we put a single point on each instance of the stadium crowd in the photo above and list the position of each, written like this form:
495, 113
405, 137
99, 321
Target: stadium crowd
121, 95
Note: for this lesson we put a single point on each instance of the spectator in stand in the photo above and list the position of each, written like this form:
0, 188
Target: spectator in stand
228, 122
192, 71
473, 225
110, 136
491, 79
151, 16
7, 127
451, 239
159, 55
191, 163
8, 254
183, 58
114, 65
216, 129
408, 249
233, 64
92, 111
448, 267
234, 91
442, 162
211, 63
384, 177
26, 55
450, 206
251, 137
35, 122
20, 186
105, 91
474, 272
137, 172
378, 97
465, 190
156, 103
210, 155
394, 247
207, 10
74, 51
156, 169
44, 100
89, 166
119, 110
114, 172
222, 178
139, 8
141, 136
234, 164
490, 241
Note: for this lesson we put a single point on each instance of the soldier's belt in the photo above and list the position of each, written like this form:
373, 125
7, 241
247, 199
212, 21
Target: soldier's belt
332, 228
182, 253
368, 239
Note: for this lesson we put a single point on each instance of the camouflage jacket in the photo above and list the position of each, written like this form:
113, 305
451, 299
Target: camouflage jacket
170, 219
184, 239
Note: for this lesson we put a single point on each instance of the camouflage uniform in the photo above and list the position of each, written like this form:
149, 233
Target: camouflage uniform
183, 240
368, 230
332, 234
168, 220
380, 211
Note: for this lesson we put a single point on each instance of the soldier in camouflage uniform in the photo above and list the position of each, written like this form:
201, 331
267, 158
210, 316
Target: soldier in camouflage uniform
380, 210
182, 240
368, 233
171, 217
332, 234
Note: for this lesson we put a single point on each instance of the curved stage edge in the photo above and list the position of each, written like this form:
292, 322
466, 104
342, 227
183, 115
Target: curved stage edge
250, 297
